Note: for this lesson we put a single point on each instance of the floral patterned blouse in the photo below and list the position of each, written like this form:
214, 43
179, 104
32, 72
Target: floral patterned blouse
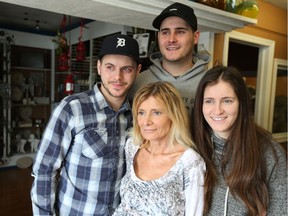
178, 192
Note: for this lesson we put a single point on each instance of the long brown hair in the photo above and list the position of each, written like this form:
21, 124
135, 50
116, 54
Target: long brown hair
243, 165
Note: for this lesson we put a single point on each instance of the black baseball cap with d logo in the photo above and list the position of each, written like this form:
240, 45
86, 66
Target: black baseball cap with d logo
121, 45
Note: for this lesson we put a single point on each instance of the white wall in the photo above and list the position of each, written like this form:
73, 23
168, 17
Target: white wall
207, 40
31, 40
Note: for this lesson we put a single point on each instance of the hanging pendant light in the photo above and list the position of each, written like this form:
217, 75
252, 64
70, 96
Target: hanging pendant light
81, 51
63, 62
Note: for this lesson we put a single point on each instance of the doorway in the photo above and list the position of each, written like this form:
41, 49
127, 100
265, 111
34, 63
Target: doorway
247, 65
261, 75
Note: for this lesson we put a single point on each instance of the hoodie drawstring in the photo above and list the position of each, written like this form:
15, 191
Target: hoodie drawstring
226, 201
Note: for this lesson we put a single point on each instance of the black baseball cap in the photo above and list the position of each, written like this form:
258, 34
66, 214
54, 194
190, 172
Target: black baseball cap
180, 10
120, 44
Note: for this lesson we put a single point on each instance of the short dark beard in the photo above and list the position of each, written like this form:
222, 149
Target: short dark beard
107, 89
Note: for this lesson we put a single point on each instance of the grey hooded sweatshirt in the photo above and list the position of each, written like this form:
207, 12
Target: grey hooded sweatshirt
224, 203
186, 83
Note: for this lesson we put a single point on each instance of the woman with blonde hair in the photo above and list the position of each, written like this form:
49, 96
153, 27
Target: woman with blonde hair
165, 174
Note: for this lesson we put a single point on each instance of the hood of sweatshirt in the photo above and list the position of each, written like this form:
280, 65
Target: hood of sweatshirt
186, 83
201, 62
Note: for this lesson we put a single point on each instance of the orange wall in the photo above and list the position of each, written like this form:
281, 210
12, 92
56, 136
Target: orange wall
271, 24
272, 18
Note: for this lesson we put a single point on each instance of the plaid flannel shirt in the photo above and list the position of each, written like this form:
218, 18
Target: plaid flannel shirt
80, 160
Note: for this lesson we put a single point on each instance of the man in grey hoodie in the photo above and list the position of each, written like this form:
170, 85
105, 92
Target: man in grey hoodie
176, 62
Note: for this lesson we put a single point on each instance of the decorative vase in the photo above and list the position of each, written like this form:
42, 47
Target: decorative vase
248, 8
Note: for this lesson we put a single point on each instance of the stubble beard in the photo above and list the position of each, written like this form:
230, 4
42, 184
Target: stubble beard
110, 93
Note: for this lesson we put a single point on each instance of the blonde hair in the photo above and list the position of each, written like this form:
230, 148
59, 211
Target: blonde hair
166, 94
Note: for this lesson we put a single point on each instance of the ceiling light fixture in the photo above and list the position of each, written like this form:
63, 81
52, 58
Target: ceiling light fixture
37, 27
31, 19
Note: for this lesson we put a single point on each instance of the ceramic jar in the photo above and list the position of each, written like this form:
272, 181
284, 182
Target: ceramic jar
248, 8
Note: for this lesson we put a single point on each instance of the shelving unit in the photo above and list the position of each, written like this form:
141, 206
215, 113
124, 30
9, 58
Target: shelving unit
30, 98
5, 116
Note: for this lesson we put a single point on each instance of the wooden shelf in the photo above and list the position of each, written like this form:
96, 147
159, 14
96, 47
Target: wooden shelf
31, 69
